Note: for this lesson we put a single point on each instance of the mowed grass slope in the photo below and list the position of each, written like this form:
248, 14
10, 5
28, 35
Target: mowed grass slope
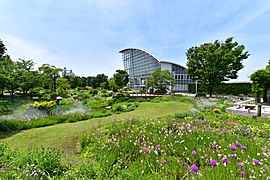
64, 137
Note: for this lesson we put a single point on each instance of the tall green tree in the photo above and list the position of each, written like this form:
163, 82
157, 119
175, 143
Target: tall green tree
75, 81
113, 85
6, 66
121, 78
52, 72
28, 78
92, 81
2, 48
95, 81
213, 63
260, 81
62, 86
101, 78
160, 80
268, 65
3, 66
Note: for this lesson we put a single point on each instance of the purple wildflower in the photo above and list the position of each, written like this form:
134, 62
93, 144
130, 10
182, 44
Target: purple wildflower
238, 144
240, 164
225, 160
243, 173
264, 153
233, 148
233, 156
158, 146
244, 148
214, 146
194, 153
194, 168
213, 162
164, 161
256, 162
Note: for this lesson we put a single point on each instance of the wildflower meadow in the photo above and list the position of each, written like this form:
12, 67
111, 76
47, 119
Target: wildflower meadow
202, 143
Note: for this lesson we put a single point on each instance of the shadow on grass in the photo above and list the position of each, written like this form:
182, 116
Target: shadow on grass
4, 135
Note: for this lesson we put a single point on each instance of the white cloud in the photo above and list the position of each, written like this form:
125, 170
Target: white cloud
21, 48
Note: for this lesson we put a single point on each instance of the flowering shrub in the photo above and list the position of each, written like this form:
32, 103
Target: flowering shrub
44, 104
174, 149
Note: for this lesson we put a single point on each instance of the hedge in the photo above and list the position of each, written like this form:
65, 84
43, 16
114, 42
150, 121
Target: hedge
224, 89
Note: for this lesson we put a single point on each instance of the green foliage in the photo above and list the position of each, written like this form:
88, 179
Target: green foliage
163, 150
61, 92
155, 100
120, 78
104, 93
260, 82
160, 80
99, 114
98, 81
67, 101
181, 115
2, 48
236, 89
36, 164
124, 107
45, 105
121, 97
178, 98
22, 124
212, 63
216, 110
113, 85
96, 103
82, 94
51, 72
93, 92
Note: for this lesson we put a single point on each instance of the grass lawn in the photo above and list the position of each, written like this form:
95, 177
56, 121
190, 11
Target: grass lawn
64, 137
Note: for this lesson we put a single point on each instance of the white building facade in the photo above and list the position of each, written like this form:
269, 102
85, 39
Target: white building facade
140, 65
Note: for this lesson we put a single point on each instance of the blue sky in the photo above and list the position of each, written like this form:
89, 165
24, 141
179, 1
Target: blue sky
86, 35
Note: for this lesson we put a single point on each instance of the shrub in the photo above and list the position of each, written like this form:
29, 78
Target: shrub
45, 105
121, 97
104, 93
181, 115
224, 88
155, 100
99, 114
82, 94
61, 92
93, 92
124, 107
216, 110
96, 103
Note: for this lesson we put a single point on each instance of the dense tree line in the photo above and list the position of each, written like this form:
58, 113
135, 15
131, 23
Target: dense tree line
20, 76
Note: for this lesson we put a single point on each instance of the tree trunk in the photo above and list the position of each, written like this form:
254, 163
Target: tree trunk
265, 95
258, 97
2, 91
211, 88
12, 95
